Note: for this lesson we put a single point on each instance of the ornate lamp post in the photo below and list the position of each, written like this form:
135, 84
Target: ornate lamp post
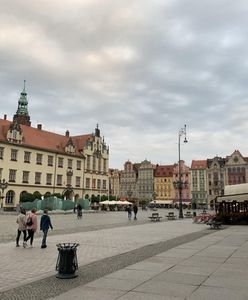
180, 185
3, 185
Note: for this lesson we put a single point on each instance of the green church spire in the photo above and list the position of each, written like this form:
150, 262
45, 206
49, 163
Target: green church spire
23, 102
22, 116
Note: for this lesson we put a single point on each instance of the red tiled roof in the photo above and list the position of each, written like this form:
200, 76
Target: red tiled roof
199, 164
44, 140
164, 171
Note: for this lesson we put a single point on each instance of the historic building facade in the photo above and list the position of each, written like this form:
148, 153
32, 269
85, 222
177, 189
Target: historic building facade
128, 180
32, 159
198, 174
236, 169
215, 178
185, 179
114, 182
145, 185
163, 184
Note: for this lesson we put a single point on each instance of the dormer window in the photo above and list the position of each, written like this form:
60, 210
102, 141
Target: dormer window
70, 149
14, 134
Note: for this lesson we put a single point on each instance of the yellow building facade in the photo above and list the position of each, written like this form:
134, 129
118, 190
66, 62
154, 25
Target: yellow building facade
163, 184
32, 159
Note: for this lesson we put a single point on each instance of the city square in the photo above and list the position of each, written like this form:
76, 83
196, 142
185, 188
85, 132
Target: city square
123, 150
127, 259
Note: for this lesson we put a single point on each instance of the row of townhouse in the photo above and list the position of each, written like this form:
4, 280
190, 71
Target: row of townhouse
202, 182
34, 160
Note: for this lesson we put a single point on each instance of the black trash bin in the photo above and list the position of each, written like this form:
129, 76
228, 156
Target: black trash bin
67, 260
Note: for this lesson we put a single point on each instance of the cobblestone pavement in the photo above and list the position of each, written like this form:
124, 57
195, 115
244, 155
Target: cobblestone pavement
211, 267
22, 266
68, 223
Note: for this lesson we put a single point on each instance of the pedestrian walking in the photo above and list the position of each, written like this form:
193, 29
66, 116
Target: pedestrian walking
31, 226
129, 212
135, 211
45, 224
21, 221
79, 211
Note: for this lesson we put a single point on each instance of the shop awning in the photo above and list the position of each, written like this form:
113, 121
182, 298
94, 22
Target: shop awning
162, 202
231, 198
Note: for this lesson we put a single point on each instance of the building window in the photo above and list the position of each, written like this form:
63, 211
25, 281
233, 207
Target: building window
13, 154
12, 175
1, 173
78, 164
87, 183
69, 163
9, 198
88, 162
98, 183
50, 160
94, 163
1, 152
93, 183
104, 165
27, 156
25, 176
99, 164
60, 162
39, 159
59, 179
37, 177
104, 184
49, 178
68, 180
78, 181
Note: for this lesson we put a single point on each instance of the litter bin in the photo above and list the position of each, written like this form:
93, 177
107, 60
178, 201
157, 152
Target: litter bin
67, 260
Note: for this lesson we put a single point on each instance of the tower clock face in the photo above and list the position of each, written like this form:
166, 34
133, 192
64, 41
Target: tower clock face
236, 159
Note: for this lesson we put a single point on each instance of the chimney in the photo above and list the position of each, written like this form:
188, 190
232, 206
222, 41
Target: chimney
67, 133
39, 126
5, 117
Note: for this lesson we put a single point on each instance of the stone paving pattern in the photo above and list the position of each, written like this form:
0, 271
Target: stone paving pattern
198, 265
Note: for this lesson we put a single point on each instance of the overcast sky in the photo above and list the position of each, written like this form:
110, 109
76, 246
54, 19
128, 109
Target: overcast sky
139, 68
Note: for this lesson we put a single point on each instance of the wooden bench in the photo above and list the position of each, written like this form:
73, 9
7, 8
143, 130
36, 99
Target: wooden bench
171, 216
155, 217
188, 214
214, 224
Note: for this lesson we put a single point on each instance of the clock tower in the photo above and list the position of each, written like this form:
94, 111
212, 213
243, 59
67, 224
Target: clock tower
22, 116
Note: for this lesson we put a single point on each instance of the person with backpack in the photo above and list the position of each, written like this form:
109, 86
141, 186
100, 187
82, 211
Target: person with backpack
45, 224
21, 221
31, 226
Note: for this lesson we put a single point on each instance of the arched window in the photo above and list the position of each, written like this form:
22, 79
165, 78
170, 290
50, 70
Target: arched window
9, 198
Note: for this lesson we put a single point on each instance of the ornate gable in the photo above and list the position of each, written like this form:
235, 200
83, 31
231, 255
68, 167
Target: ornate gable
15, 134
70, 148
236, 158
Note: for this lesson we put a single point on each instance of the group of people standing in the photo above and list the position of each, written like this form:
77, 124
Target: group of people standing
29, 224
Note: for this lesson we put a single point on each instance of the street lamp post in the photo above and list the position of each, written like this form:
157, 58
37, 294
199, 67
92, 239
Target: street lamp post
180, 184
3, 185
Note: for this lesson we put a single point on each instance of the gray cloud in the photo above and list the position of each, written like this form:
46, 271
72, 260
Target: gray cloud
139, 68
